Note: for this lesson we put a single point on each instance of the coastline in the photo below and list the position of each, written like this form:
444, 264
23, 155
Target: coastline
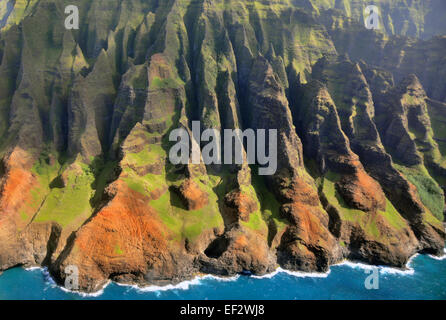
187, 284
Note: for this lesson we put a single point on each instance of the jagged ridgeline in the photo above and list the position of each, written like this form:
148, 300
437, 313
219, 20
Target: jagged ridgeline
85, 117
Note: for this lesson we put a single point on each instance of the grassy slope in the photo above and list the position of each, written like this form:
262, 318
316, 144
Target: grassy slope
365, 220
430, 193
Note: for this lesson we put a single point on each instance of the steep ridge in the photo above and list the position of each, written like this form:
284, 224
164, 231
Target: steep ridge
361, 217
306, 244
400, 56
85, 119
421, 19
358, 117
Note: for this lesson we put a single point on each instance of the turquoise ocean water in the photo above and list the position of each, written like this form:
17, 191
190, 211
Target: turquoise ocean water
424, 279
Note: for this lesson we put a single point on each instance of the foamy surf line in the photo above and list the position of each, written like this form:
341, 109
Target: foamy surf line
300, 274
34, 269
185, 285
439, 258
382, 269
84, 294
53, 284
297, 274
269, 275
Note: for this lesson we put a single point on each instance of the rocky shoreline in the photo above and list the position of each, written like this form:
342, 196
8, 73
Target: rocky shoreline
185, 283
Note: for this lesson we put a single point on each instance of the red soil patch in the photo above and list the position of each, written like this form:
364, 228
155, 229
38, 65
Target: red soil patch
192, 196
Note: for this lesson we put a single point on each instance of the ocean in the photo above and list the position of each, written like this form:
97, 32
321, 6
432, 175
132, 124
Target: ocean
425, 278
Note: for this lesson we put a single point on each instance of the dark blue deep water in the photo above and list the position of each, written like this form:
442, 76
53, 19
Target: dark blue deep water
426, 279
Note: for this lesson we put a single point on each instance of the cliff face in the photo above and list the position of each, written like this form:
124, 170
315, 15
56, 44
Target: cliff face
421, 19
85, 118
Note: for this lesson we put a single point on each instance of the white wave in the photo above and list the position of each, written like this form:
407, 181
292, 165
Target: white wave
222, 279
52, 283
298, 274
269, 275
441, 257
84, 294
387, 270
301, 274
34, 269
185, 285
353, 265
382, 269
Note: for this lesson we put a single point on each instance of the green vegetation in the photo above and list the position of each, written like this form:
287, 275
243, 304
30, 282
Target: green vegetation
411, 100
269, 206
70, 203
393, 217
158, 83
256, 219
437, 114
181, 222
45, 172
367, 221
104, 173
335, 199
184, 223
21, 9
150, 154
429, 218
146, 183
118, 250
430, 193
138, 77
66, 193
